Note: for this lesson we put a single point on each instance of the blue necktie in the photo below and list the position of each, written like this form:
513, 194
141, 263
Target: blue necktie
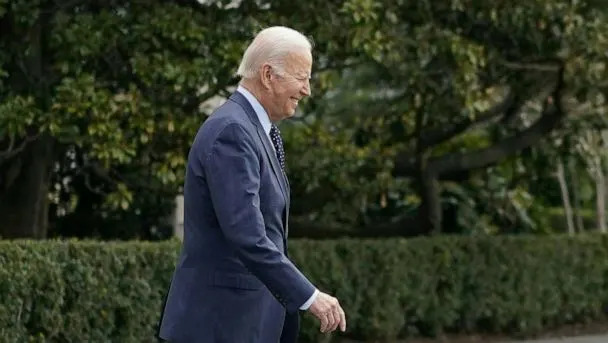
275, 137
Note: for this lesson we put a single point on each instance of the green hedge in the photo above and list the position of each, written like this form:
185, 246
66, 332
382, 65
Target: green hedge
69, 291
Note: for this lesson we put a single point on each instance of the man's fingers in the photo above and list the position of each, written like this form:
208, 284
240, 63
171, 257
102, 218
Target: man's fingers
329, 312
342, 320
336, 312
323, 319
336, 316
331, 321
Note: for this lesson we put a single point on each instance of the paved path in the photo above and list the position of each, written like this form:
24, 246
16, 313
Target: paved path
576, 339
581, 339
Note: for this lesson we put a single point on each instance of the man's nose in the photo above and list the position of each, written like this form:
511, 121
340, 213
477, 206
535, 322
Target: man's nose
306, 89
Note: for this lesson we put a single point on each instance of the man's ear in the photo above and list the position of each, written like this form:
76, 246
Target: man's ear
266, 75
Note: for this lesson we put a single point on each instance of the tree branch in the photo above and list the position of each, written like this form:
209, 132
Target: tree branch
405, 161
11, 144
87, 183
10, 152
550, 118
439, 135
549, 66
458, 164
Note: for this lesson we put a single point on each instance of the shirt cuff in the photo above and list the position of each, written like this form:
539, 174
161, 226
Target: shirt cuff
307, 304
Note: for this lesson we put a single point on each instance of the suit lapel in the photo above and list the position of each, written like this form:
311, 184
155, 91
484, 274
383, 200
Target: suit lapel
272, 157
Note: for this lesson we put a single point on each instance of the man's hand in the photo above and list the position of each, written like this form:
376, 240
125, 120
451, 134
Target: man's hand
329, 312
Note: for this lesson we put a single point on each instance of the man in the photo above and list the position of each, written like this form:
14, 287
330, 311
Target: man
234, 282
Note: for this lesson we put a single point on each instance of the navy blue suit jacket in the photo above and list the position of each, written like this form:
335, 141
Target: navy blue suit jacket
233, 281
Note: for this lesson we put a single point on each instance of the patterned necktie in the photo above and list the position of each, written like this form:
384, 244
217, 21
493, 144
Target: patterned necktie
275, 137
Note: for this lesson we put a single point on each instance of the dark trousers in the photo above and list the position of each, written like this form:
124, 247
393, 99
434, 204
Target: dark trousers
291, 327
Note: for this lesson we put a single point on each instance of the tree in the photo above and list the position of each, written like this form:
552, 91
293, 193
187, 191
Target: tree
104, 95
100, 100
508, 73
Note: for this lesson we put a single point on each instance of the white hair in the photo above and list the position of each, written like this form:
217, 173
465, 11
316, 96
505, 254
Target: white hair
271, 45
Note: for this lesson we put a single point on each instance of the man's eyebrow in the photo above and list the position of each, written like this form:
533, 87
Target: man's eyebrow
304, 74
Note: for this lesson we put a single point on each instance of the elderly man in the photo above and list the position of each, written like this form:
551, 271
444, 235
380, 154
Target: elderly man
234, 282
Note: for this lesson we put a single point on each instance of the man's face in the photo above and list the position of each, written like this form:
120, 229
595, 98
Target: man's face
290, 85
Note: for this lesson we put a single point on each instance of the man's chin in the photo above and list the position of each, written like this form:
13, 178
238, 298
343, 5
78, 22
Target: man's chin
290, 114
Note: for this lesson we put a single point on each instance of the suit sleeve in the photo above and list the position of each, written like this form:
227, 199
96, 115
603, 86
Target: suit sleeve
232, 169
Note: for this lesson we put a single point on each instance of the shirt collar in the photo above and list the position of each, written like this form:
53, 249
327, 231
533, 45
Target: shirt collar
257, 107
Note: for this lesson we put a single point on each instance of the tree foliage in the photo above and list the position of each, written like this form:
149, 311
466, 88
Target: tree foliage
412, 102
